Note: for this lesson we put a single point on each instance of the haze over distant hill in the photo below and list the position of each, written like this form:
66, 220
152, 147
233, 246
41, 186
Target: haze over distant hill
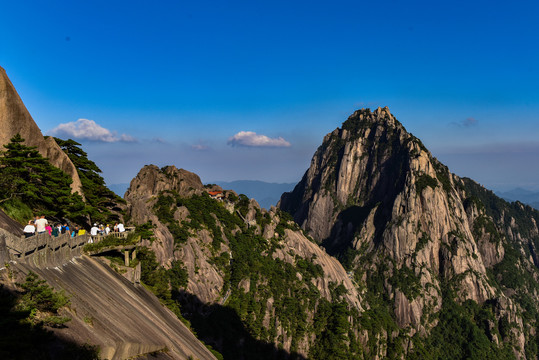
519, 194
265, 193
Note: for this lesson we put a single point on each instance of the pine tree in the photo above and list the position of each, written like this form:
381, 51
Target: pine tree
19, 165
29, 177
99, 199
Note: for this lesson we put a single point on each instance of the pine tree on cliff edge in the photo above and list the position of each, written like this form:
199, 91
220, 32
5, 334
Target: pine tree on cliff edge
29, 178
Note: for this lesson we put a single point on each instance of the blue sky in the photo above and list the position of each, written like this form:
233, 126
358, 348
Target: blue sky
172, 82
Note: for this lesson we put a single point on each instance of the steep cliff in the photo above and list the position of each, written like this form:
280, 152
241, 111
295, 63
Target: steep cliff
124, 321
15, 118
10, 225
422, 241
255, 282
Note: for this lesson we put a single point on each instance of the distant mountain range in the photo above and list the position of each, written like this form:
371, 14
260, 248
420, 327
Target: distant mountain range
265, 193
524, 196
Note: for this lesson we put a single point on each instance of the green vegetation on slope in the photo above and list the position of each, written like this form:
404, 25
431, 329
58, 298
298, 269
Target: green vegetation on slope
101, 203
24, 316
39, 298
112, 241
515, 273
464, 331
204, 212
423, 181
29, 184
256, 281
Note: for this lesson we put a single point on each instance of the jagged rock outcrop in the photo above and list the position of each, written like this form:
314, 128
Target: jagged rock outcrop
212, 250
142, 193
375, 197
15, 118
372, 183
297, 244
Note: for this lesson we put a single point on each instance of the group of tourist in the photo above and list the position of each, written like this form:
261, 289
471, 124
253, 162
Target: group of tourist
40, 225
105, 230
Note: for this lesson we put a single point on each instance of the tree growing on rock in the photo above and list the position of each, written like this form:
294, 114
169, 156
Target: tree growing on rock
102, 204
28, 180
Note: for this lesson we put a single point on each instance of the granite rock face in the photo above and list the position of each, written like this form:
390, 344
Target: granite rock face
142, 194
207, 280
404, 228
10, 225
15, 118
377, 198
124, 320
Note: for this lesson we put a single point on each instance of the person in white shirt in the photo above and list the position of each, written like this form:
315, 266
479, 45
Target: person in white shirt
107, 230
40, 224
121, 227
30, 229
94, 230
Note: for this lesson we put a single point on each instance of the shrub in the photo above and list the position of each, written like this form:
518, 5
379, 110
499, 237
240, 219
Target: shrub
423, 181
40, 297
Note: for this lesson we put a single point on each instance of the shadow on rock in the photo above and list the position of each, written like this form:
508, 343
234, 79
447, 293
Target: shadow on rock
19, 339
222, 328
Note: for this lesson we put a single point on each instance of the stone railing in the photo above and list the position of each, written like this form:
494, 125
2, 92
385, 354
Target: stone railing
43, 250
119, 235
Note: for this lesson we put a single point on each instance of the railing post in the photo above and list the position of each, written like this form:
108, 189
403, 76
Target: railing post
136, 275
126, 257
4, 252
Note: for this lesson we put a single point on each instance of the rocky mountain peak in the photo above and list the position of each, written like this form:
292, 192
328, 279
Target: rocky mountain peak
377, 199
15, 118
373, 144
366, 116
151, 180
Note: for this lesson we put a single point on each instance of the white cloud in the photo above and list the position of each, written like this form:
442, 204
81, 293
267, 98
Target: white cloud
252, 139
85, 129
